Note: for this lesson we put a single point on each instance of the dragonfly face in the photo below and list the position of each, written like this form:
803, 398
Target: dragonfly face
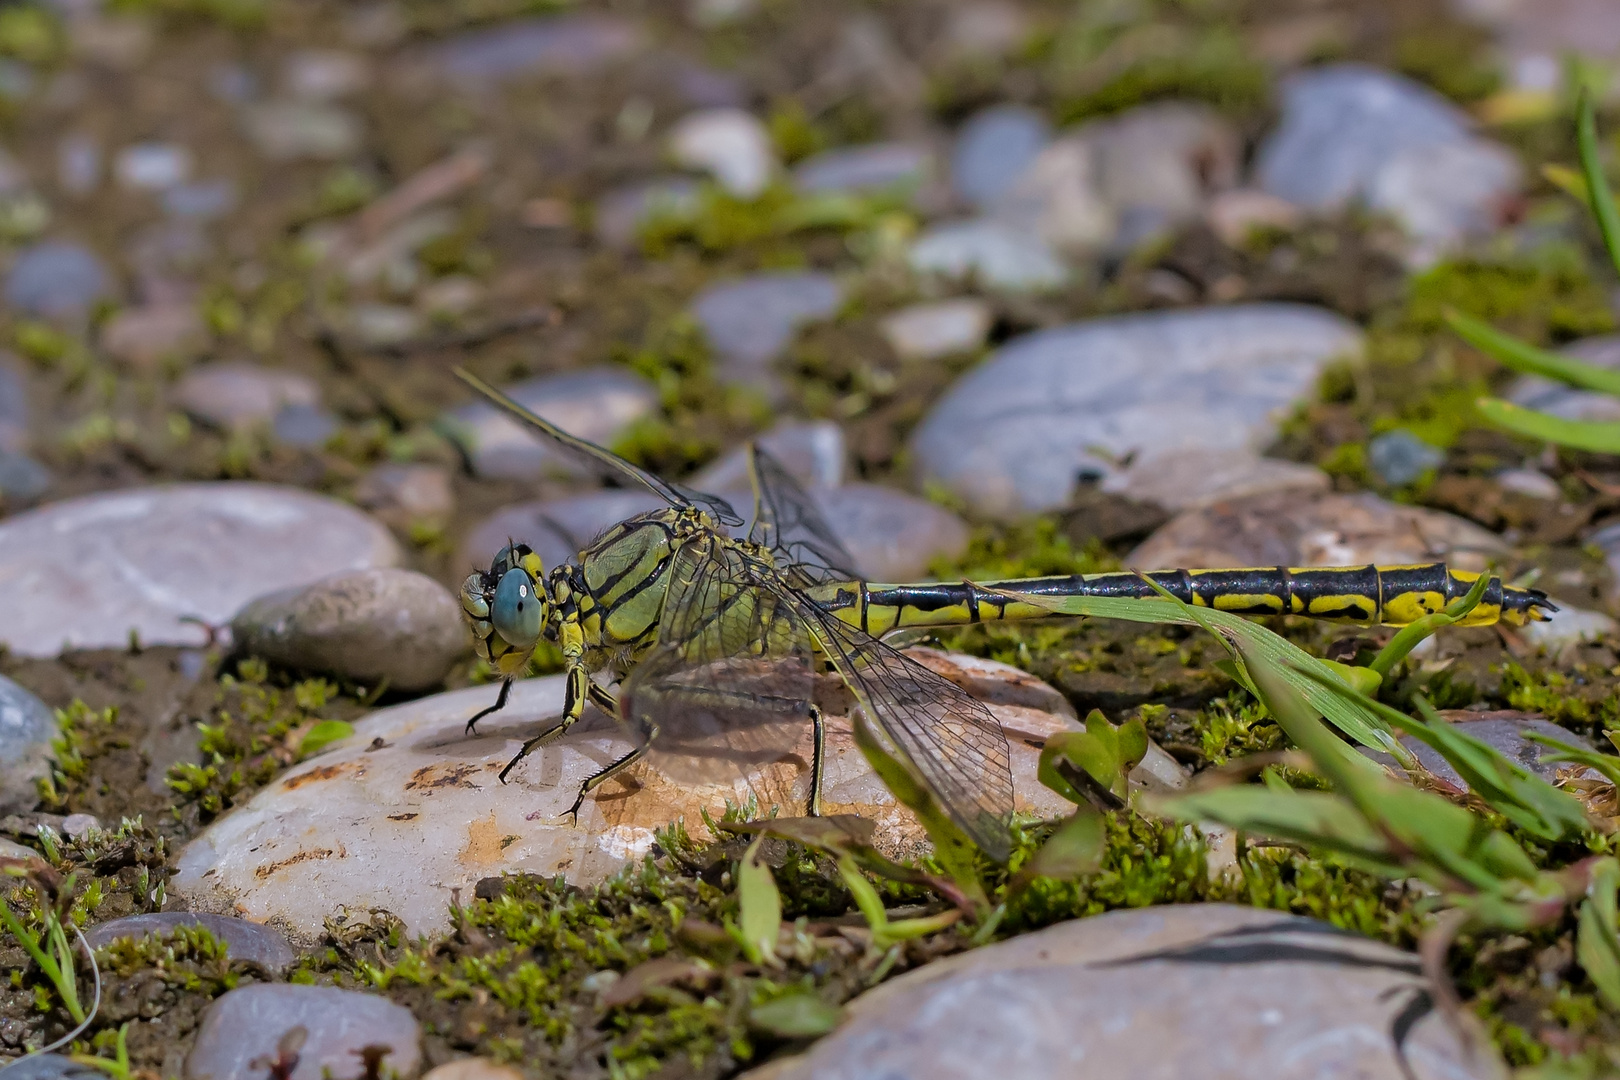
507, 606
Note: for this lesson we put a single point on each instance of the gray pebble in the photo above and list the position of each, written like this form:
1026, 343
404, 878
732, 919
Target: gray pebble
622, 212
750, 322
1166, 157
559, 45
557, 529
384, 324
892, 535
1561, 399
144, 337
86, 572
875, 167
990, 253
13, 405
406, 495
23, 481
1053, 406
1254, 993
50, 1067
1341, 125
303, 426
78, 164
1446, 194
942, 328
204, 200
248, 1022
1503, 731
57, 279
363, 625
235, 396
250, 941
153, 166
596, 404
285, 131
1399, 457
27, 726
812, 451
993, 148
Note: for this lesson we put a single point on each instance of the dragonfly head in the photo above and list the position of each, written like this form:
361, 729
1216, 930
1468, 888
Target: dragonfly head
507, 606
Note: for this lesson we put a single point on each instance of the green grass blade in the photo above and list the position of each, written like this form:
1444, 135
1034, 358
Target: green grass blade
1522, 356
1606, 764
1597, 185
1599, 437
1315, 819
759, 904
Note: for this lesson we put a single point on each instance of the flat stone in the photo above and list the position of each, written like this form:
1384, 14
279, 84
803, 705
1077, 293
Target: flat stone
1569, 626
730, 144
569, 45
248, 1022
10, 849
23, 481
87, 572
892, 166
1254, 993
622, 212
56, 279
1283, 529
27, 726
13, 405
1132, 387
1398, 457
143, 337
893, 536
812, 451
306, 427
1561, 399
368, 626
406, 495
152, 166
749, 322
246, 940
1057, 200
993, 148
1447, 194
557, 529
235, 396
1342, 124
400, 824
1167, 157
596, 404
204, 200
50, 1067
324, 74
992, 253
285, 131
942, 328
1188, 479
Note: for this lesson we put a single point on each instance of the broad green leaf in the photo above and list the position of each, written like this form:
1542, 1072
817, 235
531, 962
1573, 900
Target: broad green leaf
759, 905
1597, 939
797, 1016
323, 735
1132, 739
1597, 185
1599, 437
1527, 358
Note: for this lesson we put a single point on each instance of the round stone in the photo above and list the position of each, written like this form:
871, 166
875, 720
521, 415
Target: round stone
370, 626
994, 146
557, 529
248, 941
92, 572
56, 279
27, 726
750, 322
248, 1022
893, 536
234, 395
731, 144
942, 328
558, 45
811, 451
990, 252
144, 336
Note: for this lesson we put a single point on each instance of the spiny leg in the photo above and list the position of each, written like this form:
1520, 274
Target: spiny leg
604, 700
500, 703
648, 733
818, 760
579, 689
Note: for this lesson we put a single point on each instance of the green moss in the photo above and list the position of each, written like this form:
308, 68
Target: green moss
1569, 699
1211, 64
1030, 548
1538, 302
1452, 57
31, 33
1230, 728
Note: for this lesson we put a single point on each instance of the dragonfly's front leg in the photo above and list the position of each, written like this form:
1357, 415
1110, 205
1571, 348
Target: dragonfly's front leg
500, 703
578, 690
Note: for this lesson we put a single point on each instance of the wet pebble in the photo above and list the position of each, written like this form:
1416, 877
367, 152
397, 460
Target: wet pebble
1398, 457
622, 212
989, 252
152, 166
812, 451
993, 148
422, 812
57, 279
1285, 529
557, 529
1255, 993
940, 328
893, 536
732, 145
559, 45
27, 726
23, 481
143, 337
404, 495
596, 404
1136, 386
88, 572
366, 626
749, 322
285, 131
250, 941
874, 167
247, 1022
234, 395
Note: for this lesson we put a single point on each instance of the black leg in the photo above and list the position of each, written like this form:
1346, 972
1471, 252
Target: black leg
500, 703
598, 778
604, 700
818, 760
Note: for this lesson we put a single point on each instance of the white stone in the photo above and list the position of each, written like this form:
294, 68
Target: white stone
89, 572
1569, 626
1446, 194
942, 328
1059, 199
152, 166
730, 144
1530, 482
990, 252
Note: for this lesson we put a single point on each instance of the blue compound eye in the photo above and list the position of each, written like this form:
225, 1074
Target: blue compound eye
516, 611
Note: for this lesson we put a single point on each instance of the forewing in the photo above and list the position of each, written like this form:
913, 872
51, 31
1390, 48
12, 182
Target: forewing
729, 686
671, 493
951, 742
787, 522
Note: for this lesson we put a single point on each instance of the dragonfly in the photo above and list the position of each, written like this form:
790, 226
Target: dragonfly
717, 635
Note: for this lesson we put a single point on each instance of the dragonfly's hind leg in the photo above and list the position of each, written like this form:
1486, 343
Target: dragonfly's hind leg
500, 703
573, 709
818, 760
649, 732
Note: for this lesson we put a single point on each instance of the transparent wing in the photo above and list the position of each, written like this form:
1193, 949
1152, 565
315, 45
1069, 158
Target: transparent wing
730, 683
951, 742
786, 520
670, 493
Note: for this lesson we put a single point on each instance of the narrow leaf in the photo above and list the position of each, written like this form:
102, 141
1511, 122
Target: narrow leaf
1597, 185
1524, 357
1599, 437
1597, 940
760, 906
